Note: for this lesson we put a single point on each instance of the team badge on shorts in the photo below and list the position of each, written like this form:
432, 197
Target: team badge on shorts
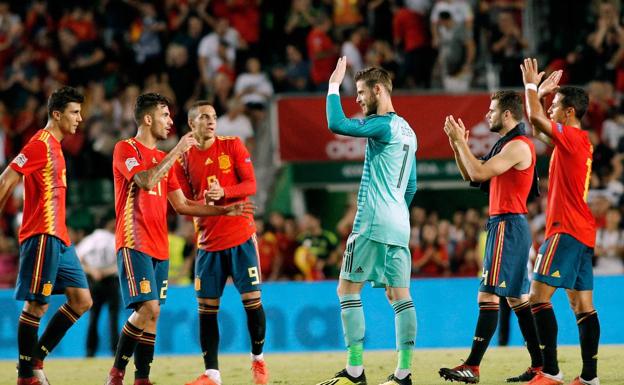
197, 284
145, 287
47, 289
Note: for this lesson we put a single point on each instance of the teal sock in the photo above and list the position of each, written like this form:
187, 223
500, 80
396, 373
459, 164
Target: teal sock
352, 316
405, 328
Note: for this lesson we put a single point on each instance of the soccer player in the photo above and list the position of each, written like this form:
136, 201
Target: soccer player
144, 182
226, 245
565, 258
377, 249
507, 173
48, 261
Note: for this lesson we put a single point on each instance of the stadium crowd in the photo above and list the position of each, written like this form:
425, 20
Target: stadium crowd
239, 53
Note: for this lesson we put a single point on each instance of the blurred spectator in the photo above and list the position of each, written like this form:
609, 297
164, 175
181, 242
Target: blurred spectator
346, 16
613, 129
411, 37
99, 260
10, 32
318, 249
456, 53
609, 250
350, 49
322, 52
459, 11
146, 42
430, 258
224, 38
84, 59
301, 18
182, 74
253, 87
268, 250
8, 261
297, 70
418, 217
507, 48
223, 92
606, 43
235, 123
379, 17
286, 232
181, 250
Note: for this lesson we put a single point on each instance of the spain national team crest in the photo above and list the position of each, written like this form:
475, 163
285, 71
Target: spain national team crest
47, 289
145, 286
224, 162
197, 284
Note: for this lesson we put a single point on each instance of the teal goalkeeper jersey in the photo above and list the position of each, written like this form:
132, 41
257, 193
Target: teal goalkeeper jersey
389, 177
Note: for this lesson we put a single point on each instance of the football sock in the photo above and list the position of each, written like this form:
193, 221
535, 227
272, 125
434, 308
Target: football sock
486, 326
27, 329
209, 335
130, 336
63, 319
589, 334
144, 355
405, 329
527, 327
352, 315
547, 330
256, 324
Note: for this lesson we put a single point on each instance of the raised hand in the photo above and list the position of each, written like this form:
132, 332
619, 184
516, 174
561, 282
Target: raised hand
530, 74
339, 72
215, 192
455, 130
550, 85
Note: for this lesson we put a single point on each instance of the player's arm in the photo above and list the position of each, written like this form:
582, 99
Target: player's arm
244, 170
8, 180
458, 161
185, 206
147, 179
535, 110
511, 154
410, 191
337, 121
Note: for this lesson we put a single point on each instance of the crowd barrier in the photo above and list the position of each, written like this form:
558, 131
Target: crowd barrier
306, 317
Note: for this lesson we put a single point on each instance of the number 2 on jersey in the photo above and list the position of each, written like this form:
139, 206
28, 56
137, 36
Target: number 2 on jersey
406, 149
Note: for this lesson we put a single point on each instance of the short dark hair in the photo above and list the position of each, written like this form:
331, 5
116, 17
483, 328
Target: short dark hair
509, 101
193, 110
374, 75
59, 99
146, 103
574, 97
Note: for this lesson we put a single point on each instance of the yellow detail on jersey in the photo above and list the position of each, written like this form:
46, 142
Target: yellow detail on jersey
503, 285
227, 137
48, 182
556, 274
208, 161
128, 217
197, 284
224, 162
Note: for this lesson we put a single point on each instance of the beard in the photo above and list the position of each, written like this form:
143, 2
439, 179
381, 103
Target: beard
371, 106
496, 127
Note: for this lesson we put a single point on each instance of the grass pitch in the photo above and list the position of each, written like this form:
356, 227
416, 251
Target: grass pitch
310, 368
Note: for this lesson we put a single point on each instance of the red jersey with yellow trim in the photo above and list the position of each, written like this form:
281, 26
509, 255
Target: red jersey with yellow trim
228, 161
141, 215
569, 176
42, 164
510, 190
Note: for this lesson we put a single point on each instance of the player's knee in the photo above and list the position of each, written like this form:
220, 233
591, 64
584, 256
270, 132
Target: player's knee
150, 310
81, 305
35, 308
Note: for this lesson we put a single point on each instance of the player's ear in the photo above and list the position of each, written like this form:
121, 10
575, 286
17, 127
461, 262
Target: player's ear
56, 115
147, 119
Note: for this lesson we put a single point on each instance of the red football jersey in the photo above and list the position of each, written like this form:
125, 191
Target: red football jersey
141, 215
569, 176
42, 164
226, 160
510, 190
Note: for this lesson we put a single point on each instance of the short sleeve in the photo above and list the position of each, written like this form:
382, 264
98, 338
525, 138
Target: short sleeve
127, 159
178, 170
172, 180
32, 157
567, 138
